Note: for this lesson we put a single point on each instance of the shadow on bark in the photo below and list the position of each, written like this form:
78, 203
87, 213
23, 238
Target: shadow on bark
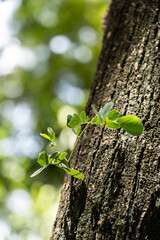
151, 221
78, 197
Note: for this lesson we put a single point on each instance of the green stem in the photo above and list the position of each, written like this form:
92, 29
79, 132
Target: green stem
69, 159
57, 147
60, 152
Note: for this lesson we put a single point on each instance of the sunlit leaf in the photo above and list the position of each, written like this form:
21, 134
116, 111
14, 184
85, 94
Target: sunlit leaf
52, 157
111, 124
96, 120
83, 116
72, 172
113, 114
38, 171
51, 133
74, 121
78, 130
45, 136
56, 161
131, 124
43, 159
87, 119
62, 155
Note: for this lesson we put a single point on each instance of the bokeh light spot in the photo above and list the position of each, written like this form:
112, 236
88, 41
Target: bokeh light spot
60, 44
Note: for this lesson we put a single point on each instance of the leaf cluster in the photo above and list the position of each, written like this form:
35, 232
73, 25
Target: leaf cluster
76, 120
57, 159
110, 119
115, 120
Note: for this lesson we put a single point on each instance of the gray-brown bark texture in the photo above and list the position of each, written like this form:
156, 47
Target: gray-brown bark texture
120, 195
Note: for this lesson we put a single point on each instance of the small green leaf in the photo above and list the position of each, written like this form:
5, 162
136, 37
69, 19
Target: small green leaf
113, 114
75, 121
52, 144
96, 120
51, 133
105, 110
38, 171
56, 161
119, 116
83, 116
63, 165
74, 131
72, 172
78, 130
62, 155
131, 124
45, 136
69, 117
111, 124
52, 157
43, 159
94, 109
97, 113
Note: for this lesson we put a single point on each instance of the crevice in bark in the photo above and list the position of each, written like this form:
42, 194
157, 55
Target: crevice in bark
148, 117
94, 156
78, 198
130, 38
114, 174
143, 52
66, 229
150, 226
129, 223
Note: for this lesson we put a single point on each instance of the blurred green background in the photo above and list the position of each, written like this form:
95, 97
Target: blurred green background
48, 55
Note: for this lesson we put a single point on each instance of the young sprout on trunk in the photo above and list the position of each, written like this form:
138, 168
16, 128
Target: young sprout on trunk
110, 119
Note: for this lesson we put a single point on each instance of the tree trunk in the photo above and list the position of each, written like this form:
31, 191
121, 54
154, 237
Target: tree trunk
120, 195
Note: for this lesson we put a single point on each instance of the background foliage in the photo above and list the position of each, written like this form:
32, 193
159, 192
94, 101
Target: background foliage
46, 67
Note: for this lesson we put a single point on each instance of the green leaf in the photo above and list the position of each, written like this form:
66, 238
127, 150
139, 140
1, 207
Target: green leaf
52, 144
105, 110
51, 133
131, 124
43, 159
52, 157
78, 130
83, 117
113, 114
72, 172
97, 113
63, 165
94, 109
111, 124
45, 136
56, 161
38, 171
96, 120
75, 121
74, 131
119, 116
62, 155
69, 117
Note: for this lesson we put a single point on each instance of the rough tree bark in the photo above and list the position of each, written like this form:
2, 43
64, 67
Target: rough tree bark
120, 195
